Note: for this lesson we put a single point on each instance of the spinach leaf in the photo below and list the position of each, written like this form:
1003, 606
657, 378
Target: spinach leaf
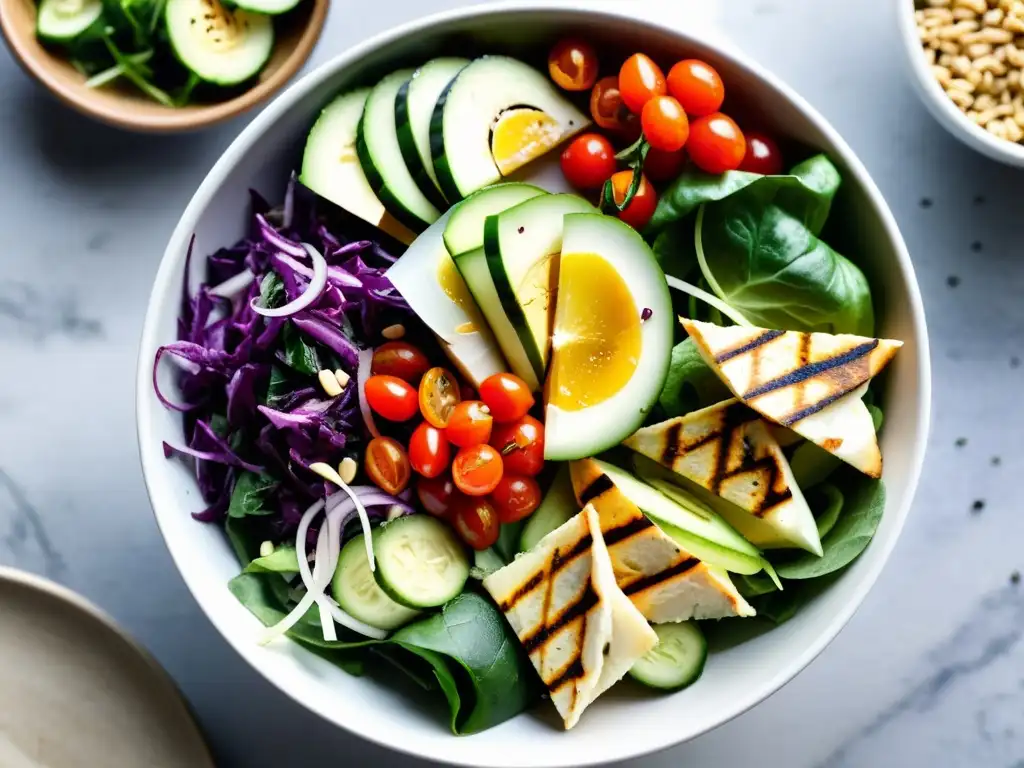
826, 502
779, 607
245, 538
772, 267
282, 560
753, 585
279, 386
812, 464
296, 353
849, 537
673, 248
877, 417
474, 637
272, 293
692, 189
690, 384
250, 493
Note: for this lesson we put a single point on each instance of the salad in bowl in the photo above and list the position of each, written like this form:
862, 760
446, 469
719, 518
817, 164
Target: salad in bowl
539, 379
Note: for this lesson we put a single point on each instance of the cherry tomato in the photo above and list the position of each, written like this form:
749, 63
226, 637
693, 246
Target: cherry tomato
470, 424
477, 470
609, 112
429, 451
476, 522
387, 465
521, 445
588, 161
716, 143
663, 166
508, 396
515, 497
401, 359
665, 124
437, 495
640, 80
439, 394
391, 397
572, 64
641, 207
763, 155
697, 86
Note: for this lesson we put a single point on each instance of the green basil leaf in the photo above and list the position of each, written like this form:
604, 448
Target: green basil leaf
272, 293
297, 353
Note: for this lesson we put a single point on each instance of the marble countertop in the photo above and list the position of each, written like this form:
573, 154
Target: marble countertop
929, 672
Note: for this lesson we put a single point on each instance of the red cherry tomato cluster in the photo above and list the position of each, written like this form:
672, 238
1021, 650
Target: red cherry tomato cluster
678, 114
475, 459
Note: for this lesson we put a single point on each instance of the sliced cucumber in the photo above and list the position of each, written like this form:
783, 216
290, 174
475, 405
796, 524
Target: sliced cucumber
219, 46
558, 507
522, 245
359, 595
330, 166
380, 156
269, 7
691, 524
494, 117
464, 238
676, 661
413, 107
420, 563
61, 21
486, 562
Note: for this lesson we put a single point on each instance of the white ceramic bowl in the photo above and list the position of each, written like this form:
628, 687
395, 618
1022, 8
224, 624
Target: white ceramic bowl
622, 724
939, 104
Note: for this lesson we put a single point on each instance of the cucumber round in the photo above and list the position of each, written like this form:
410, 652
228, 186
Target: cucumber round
358, 594
219, 46
676, 661
61, 21
420, 562
269, 7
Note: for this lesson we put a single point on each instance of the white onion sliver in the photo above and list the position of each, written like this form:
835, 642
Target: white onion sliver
328, 473
362, 374
313, 292
714, 301
351, 622
323, 563
234, 285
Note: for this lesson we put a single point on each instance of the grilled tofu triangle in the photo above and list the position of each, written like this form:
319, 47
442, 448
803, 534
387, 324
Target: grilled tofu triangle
666, 583
729, 450
809, 382
581, 632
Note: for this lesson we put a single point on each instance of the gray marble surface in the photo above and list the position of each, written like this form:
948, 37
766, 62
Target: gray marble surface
929, 672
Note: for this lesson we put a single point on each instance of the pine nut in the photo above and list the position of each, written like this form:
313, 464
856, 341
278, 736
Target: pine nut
939, 3
1004, 97
948, 46
990, 64
935, 16
329, 382
961, 98
995, 127
984, 101
993, 35
342, 377
958, 30
974, 77
942, 75
1015, 58
978, 6
266, 548
393, 332
974, 116
961, 84
1013, 130
960, 66
964, 14
988, 81
1014, 24
977, 50
993, 18
1013, 79
347, 469
998, 111
929, 56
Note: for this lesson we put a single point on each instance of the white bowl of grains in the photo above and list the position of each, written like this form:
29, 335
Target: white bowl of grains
967, 57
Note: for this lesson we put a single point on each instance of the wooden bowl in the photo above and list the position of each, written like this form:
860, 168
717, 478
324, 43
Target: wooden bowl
125, 107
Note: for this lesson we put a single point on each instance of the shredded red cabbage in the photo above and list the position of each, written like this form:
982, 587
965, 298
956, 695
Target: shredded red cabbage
247, 384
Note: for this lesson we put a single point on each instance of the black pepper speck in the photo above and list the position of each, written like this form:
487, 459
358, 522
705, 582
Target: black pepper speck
521, 230
977, 506
926, 202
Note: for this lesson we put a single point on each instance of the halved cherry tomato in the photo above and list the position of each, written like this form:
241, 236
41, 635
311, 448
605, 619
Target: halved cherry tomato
437, 495
515, 497
508, 396
641, 207
439, 394
429, 451
716, 143
609, 112
588, 161
476, 522
401, 359
697, 86
521, 445
391, 397
763, 155
387, 465
477, 470
665, 124
640, 80
470, 424
572, 64
662, 166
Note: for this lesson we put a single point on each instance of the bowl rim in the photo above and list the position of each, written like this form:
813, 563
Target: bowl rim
169, 119
165, 281
940, 105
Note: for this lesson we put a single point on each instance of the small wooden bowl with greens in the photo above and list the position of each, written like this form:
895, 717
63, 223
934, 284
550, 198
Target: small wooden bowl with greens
162, 66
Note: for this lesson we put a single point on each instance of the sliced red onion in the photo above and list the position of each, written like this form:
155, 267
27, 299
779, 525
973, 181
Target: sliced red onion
362, 374
313, 291
328, 473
